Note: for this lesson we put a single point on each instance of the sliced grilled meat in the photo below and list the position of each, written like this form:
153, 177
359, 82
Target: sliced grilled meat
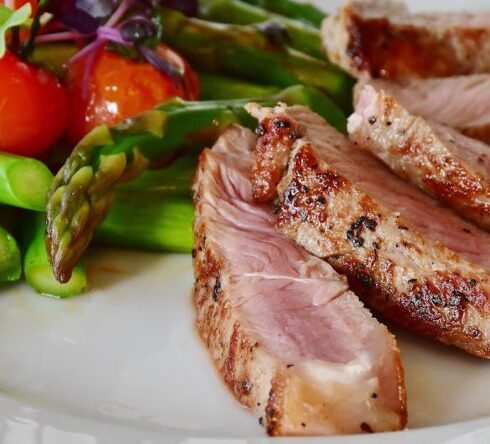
408, 257
290, 340
384, 39
439, 160
461, 102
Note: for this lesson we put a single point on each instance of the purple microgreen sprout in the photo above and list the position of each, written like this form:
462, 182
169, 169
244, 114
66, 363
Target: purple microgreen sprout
59, 37
120, 12
98, 22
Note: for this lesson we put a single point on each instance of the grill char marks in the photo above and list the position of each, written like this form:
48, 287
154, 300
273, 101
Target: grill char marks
268, 167
387, 54
440, 161
430, 307
401, 252
384, 39
289, 339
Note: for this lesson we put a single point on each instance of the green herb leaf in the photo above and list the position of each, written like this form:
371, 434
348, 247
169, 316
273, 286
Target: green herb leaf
10, 19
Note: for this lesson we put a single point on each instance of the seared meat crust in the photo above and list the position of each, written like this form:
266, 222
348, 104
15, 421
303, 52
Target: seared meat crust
382, 38
461, 102
393, 263
440, 161
289, 339
362, 240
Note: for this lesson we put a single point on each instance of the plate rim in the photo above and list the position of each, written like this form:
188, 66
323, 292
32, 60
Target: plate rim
38, 424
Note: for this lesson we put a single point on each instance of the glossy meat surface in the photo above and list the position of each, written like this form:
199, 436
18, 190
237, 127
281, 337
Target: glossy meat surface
411, 259
449, 166
289, 339
461, 102
384, 39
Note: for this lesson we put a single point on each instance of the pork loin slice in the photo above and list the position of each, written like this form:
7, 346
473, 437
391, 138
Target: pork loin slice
384, 39
290, 340
439, 160
408, 257
461, 102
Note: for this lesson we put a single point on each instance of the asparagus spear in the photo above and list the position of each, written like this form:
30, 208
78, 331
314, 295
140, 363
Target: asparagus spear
175, 181
306, 12
53, 56
10, 263
245, 52
216, 87
154, 211
219, 87
82, 191
24, 182
37, 269
10, 256
299, 35
149, 220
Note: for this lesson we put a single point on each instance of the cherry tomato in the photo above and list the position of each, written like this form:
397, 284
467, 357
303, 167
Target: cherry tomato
16, 4
119, 88
33, 111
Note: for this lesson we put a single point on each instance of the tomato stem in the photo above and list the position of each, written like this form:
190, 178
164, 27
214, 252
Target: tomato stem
15, 40
26, 49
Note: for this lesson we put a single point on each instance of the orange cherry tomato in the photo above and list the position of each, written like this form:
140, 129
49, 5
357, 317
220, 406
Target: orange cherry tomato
16, 4
119, 88
33, 111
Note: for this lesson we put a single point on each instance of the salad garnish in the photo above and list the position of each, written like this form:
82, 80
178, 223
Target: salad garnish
11, 20
107, 89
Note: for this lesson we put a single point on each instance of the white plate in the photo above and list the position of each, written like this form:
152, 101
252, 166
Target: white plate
123, 363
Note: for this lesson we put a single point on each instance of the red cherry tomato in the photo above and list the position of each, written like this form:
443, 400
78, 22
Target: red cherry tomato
119, 88
33, 108
16, 4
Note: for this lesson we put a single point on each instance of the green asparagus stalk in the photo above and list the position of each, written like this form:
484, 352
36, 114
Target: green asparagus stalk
83, 189
37, 268
300, 36
219, 87
305, 12
216, 87
24, 182
153, 212
10, 263
149, 220
175, 181
10, 256
245, 52
53, 56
